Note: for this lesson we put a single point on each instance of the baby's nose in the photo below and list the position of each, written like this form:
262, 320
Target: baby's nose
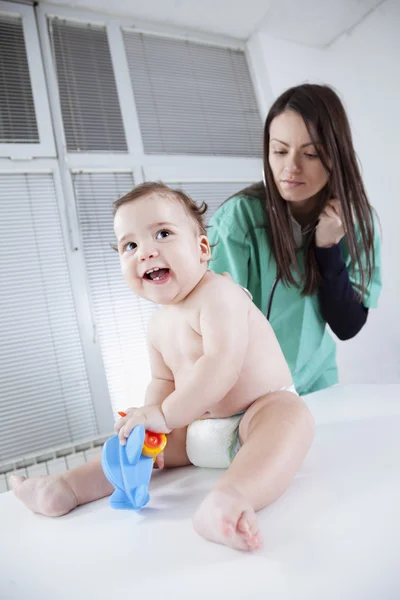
150, 253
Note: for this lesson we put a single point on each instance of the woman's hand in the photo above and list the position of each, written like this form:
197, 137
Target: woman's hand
330, 228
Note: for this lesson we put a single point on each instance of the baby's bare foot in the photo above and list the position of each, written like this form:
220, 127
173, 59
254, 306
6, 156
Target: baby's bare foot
226, 517
48, 495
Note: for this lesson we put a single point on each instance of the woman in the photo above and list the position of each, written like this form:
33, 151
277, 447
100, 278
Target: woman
304, 241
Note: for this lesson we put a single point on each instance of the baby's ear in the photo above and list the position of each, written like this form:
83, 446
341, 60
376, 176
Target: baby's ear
205, 250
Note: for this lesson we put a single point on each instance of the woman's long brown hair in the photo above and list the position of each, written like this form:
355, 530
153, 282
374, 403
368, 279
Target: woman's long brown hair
327, 123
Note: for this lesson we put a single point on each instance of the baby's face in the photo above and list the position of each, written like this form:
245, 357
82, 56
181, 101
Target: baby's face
162, 254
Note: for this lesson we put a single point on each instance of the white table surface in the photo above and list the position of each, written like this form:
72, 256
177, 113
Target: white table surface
335, 534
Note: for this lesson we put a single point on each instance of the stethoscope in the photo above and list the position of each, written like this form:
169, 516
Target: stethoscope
271, 296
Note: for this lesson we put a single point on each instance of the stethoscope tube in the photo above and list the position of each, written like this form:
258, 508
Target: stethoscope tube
271, 296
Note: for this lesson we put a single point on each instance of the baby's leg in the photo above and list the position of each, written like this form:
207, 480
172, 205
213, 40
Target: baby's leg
276, 432
175, 450
56, 495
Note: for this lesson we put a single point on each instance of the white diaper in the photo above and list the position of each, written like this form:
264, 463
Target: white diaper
214, 443
291, 388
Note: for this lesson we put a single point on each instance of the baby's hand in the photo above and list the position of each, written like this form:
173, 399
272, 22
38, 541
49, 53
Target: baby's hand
159, 462
151, 416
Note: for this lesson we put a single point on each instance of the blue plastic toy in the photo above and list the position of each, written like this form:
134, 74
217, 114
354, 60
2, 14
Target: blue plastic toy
128, 469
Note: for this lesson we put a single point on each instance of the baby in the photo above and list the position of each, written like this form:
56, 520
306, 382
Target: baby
220, 387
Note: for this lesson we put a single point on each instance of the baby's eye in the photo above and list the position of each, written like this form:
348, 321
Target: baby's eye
130, 246
163, 233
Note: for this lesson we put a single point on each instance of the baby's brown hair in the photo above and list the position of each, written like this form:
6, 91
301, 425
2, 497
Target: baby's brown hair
196, 213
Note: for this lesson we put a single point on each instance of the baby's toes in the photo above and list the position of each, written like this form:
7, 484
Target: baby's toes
228, 531
248, 527
247, 523
228, 528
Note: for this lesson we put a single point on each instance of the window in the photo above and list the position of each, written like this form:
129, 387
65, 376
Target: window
42, 371
17, 113
25, 122
86, 83
192, 98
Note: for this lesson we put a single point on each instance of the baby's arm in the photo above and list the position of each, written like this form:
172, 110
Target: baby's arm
161, 385
224, 331
162, 380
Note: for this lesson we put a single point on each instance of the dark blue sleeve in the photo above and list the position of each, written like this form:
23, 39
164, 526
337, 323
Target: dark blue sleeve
339, 303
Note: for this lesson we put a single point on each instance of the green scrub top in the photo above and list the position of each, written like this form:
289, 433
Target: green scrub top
241, 247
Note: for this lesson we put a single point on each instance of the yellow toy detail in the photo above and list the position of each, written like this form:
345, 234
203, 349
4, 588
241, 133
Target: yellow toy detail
154, 444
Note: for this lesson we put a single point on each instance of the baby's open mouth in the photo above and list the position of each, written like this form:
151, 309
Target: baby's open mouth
156, 274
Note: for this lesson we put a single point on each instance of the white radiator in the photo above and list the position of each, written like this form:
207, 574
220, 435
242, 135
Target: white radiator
50, 462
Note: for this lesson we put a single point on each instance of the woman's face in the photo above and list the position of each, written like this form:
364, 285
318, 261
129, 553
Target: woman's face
297, 170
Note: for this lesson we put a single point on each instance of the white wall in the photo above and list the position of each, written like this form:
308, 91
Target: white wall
363, 66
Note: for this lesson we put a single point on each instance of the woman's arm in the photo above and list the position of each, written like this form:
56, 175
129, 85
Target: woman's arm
341, 306
339, 302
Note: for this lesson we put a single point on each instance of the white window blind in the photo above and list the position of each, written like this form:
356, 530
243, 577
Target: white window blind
17, 111
45, 398
88, 95
192, 98
121, 317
